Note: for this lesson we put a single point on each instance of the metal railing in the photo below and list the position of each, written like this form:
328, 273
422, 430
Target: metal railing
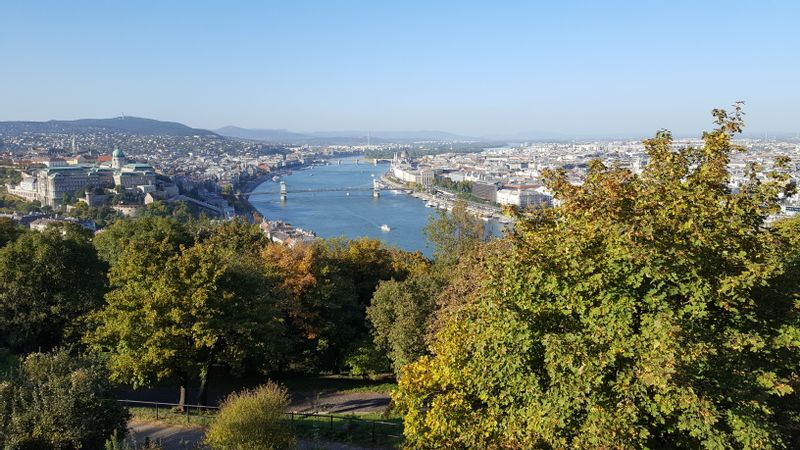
374, 430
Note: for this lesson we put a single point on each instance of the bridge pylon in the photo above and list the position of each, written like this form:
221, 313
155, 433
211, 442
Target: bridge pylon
376, 189
283, 191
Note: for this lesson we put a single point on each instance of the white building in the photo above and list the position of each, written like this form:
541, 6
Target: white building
523, 198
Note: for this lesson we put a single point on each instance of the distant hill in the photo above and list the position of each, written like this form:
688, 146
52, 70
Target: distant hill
260, 135
343, 137
132, 125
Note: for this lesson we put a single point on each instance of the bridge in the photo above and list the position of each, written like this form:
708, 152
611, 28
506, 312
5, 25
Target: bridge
283, 193
357, 161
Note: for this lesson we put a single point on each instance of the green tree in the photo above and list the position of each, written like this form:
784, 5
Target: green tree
145, 230
9, 231
48, 281
400, 313
252, 420
174, 315
454, 233
59, 401
645, 311
367, 360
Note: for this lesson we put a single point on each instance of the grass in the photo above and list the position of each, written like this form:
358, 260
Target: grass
382, 388
353, 429
173, 417
329, 384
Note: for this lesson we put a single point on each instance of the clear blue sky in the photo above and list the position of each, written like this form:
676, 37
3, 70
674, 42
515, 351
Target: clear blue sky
477, 68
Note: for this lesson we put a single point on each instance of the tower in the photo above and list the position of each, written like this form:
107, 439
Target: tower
118, 159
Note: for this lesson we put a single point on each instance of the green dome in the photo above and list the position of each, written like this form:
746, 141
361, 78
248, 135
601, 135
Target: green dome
118, 154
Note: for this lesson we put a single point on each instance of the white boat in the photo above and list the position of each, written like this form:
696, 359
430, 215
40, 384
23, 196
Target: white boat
431, 205
385, 228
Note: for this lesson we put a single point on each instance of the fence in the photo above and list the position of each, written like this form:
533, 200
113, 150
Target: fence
307, 425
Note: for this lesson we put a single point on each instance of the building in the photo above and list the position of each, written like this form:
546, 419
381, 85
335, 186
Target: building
58, 180
523, 198
131, 175
484, 190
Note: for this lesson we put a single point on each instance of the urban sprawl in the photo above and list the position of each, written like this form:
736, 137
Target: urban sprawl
210, 173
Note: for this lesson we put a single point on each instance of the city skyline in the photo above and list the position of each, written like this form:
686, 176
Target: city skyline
617, 69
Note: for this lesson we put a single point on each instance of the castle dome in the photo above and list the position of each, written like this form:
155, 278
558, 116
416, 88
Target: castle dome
118, 154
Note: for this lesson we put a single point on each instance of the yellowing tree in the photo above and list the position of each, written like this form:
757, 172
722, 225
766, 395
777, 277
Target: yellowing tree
653, 310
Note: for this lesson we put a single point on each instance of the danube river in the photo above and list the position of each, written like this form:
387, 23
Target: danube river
332, 214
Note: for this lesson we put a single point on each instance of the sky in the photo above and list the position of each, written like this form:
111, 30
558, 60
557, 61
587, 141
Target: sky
487, 69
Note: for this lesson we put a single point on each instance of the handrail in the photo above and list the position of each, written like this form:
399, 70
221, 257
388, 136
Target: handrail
166, 404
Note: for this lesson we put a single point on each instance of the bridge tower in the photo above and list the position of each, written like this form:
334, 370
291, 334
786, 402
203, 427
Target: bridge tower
376, 189
283, 191
356, 161
375, 161
338, 162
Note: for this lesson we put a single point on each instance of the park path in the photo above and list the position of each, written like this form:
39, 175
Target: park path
175, 437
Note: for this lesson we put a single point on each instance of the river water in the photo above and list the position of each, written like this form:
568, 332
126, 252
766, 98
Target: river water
333, 214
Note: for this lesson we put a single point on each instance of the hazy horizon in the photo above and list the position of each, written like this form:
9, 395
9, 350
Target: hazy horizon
472, 69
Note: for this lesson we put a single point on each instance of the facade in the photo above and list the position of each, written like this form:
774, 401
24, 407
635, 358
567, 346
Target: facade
406, 173
486, 191
523, 198
52, 184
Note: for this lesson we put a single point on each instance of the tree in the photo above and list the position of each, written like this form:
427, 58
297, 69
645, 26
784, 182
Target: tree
400, 313
174, 315
145, 230
252, 420
9, 231
329, 284
367, 360
454, 233
59, 401
48, 281
645, 311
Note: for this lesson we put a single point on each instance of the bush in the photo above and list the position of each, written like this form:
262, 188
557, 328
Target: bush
367, 361
59, 401
251, 420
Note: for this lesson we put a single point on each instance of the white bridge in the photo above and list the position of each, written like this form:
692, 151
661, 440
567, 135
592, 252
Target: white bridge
376, 188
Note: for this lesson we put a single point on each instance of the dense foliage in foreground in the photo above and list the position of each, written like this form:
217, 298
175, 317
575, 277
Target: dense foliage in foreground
652, 310
58, 401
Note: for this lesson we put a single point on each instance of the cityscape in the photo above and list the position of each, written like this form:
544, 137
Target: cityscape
399, 225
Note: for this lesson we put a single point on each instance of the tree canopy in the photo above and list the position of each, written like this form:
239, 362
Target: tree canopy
648, 310
59, 401
48, 281
173, 315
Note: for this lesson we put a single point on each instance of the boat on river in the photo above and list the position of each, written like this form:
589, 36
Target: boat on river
385, 228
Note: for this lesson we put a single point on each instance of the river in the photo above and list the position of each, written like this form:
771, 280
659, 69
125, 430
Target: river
333, 214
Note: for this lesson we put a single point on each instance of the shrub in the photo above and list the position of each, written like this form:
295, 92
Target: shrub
251, 420
59, 401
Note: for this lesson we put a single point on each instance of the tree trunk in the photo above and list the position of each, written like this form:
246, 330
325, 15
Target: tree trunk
182, 382
202, 395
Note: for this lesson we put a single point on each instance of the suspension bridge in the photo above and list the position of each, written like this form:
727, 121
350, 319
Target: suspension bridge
284, 192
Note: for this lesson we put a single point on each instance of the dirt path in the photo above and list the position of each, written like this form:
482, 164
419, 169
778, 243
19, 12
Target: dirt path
174, 437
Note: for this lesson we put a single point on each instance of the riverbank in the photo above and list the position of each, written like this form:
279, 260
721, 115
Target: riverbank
447, 201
